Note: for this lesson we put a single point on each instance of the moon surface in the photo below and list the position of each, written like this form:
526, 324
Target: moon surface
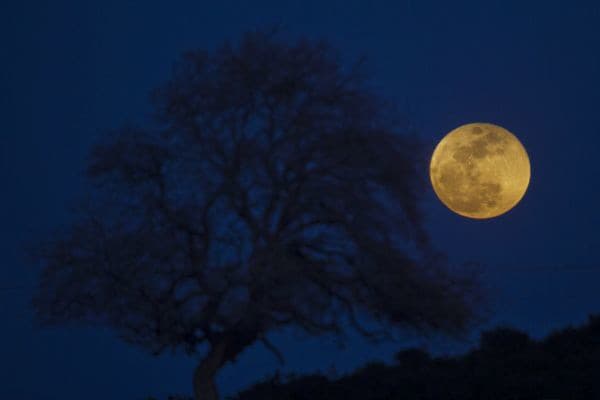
480, 170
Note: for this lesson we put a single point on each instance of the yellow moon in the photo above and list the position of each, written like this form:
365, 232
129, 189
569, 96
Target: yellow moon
480, 170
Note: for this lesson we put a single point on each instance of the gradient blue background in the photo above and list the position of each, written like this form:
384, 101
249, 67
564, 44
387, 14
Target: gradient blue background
72, 70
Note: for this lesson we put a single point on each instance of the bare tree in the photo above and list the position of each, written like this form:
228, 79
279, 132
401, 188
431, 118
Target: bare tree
275, 189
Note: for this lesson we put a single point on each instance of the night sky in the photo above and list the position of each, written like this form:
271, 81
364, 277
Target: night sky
72, 70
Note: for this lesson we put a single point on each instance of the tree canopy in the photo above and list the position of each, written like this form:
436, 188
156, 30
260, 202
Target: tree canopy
274, 188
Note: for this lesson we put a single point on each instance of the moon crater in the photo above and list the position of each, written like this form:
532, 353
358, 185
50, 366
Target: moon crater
480, 170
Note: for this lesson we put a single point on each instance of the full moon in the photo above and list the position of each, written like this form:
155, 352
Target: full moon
480, 170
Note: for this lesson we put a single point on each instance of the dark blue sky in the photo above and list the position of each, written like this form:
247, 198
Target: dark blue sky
72, 70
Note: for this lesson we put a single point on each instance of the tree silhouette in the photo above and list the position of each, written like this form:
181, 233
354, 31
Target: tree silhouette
274, 189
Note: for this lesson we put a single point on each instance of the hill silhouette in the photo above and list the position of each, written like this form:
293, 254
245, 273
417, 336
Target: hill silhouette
507, 364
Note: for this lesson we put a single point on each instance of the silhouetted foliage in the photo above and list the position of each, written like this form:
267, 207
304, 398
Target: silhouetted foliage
507, 365
275, 189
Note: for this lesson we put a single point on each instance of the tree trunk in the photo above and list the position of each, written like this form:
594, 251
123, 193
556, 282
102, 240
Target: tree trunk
221, 352
205, 387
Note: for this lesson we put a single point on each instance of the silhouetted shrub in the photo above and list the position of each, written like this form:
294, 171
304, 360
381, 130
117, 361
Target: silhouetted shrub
507, 365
